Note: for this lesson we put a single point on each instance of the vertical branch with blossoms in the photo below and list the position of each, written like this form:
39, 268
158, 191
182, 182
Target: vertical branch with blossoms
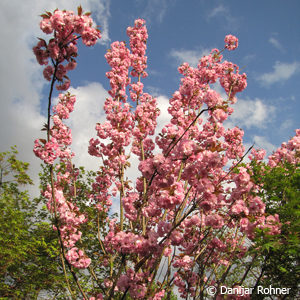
61, 52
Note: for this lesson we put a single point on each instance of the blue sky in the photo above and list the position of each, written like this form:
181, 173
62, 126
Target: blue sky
269, 37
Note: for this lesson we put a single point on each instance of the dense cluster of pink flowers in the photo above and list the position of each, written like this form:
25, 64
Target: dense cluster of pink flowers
289, 152
138, 37
77, 258
231, 42
60, 136
193, 204
67, 28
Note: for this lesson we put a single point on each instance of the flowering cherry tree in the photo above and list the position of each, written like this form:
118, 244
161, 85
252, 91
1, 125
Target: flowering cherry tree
194, 207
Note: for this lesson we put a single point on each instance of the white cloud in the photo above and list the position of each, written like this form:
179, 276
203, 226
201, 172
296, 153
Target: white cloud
190, 56
276, 44
224, 14
252, 113
164, 117
219, 10
87, 112
153, 90
281, 72
287, 124
247, 112
155, 9
247, 59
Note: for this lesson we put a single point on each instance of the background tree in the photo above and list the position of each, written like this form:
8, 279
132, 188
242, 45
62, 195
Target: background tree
28, 246
273, 257
279, 255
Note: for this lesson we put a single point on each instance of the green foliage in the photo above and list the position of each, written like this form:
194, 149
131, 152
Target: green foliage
13, 171
28, 247
279, 255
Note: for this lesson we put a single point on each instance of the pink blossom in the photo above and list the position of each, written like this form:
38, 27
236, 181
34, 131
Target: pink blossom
46, 151
215, 221
231, 42
63, 86
90, 36
77, 258
63, 46
185, 263
46, 26
257, 154
287, 152
48, 72
239, 207
159, 295
256, 206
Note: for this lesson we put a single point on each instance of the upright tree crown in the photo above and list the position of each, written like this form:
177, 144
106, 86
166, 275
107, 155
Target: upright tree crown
195, 207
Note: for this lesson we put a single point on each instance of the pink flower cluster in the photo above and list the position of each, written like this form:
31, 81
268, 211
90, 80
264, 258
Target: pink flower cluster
46, 151
60, 134
118, 57
233, 82
257, 154
270, 223
134, 282
67, 28
186, 281
289, 152
138, 38
231, 42
146, 111
128, 242
70, 220
78, 259
185, 262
